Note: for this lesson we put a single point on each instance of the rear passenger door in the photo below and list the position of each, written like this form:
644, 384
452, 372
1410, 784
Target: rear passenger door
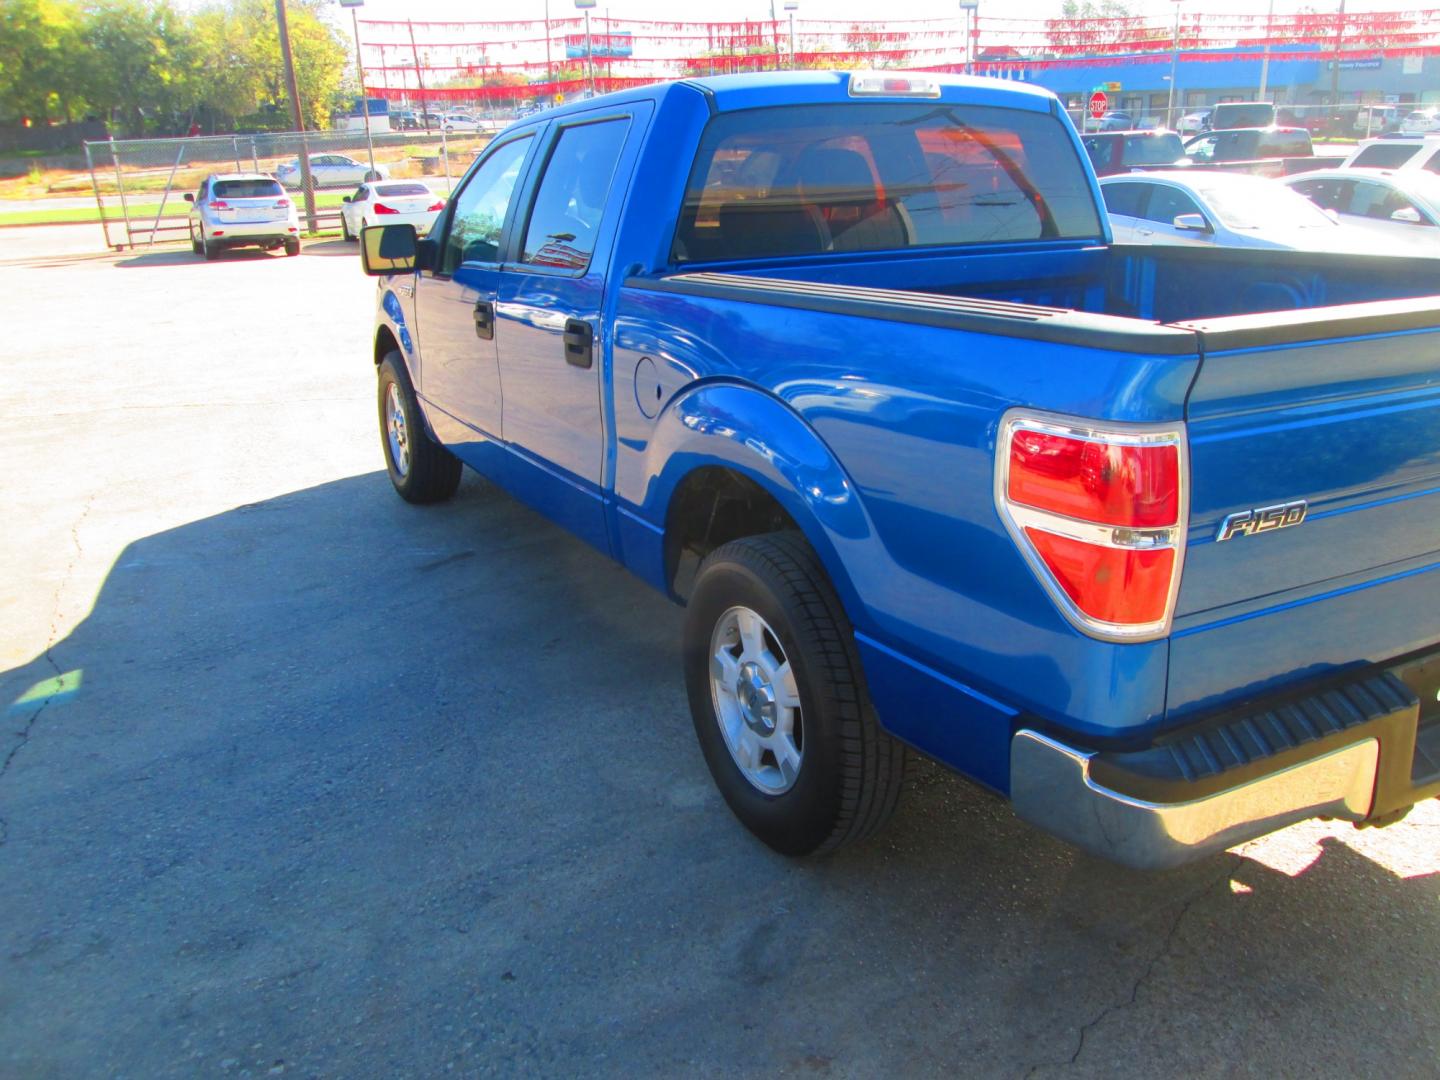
1125, 205
1164, 206
549, 316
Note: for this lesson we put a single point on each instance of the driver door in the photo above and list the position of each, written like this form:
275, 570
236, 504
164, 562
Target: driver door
458, 375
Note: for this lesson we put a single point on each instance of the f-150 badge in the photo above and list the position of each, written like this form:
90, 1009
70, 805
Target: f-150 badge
1262, 519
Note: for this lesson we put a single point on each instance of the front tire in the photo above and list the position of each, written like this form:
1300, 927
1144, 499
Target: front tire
779, 702
421, 470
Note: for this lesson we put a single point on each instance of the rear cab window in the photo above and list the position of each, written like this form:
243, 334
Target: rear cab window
397, 190
811, 179
247, 189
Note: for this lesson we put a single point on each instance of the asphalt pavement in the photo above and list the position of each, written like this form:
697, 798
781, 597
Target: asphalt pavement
297, 779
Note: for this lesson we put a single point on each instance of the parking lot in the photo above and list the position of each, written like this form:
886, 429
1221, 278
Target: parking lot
296, 778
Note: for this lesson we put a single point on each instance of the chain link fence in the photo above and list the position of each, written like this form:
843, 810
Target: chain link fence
1346, 122
140, 184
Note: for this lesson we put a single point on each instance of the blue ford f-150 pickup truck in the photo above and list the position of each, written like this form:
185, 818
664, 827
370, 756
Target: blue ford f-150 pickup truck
1147, 540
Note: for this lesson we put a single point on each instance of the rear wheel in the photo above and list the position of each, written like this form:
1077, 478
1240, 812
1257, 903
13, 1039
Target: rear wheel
208, 249
292, 247
778, 699
421, 470
345, 232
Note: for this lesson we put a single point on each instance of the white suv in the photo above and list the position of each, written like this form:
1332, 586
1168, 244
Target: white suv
242, 210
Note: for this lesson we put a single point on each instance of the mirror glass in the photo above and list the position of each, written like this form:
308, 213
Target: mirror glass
388, 249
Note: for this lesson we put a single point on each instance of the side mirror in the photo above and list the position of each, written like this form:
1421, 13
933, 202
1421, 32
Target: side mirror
189, 196
1407, 214
389, 249
344, 198
1192, 222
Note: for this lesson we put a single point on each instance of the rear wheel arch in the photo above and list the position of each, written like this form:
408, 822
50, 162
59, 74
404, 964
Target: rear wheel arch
719, 481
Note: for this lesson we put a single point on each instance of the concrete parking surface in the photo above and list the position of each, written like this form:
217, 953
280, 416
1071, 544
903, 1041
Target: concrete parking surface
299, 779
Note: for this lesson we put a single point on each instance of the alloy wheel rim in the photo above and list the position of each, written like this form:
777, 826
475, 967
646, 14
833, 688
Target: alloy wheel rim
756, 700
395, 432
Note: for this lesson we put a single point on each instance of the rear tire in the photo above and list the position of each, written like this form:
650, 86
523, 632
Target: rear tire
209, 250
845, 774
345, 233
421, 470
292, 247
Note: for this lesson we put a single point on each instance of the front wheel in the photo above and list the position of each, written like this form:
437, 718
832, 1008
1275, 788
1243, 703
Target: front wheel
421, 470
778, 699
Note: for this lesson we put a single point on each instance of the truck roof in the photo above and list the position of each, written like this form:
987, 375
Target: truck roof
764, 88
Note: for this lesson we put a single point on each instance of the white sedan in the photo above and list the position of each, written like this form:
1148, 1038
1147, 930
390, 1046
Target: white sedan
1421, 122
391, 202
331, 170
1401, 208
1219, 209
461, 122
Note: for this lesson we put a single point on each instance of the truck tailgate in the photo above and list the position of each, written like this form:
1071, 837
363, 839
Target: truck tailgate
1335, 415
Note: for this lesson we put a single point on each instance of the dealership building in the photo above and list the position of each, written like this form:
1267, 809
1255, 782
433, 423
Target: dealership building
1210, 77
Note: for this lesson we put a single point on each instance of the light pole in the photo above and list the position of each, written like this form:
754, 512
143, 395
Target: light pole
354, 5
1265, 58
1174, 66
971, 8
585, 6
791, 6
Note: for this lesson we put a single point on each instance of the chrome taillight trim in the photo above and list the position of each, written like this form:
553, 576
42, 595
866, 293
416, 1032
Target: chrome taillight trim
1017, 517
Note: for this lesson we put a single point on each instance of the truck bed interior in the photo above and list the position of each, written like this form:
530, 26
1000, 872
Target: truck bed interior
1160, 284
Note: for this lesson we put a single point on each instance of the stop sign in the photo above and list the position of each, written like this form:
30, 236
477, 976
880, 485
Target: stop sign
1098, 101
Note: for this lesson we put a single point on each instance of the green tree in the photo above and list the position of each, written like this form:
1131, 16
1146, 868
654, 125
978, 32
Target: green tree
39, 47
137, 61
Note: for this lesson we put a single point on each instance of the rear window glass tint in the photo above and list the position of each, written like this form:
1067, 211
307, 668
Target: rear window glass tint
247, 189
1384, 156
798, 180
1124, 199
401, 189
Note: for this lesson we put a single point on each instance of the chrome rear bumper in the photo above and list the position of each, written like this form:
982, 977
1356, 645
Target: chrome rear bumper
1051, 786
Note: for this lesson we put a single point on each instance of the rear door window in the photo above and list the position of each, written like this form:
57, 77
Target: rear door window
800, 180
1127, 200
1328, 194
570, 201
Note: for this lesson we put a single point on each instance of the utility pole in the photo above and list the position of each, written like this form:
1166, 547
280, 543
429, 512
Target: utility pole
419, 79
549, 66
353, 5
296, 114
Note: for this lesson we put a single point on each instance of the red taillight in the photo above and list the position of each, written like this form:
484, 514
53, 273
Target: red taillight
381, 208
1099, 512
219, 204
1137, 486
282, 204
439, 204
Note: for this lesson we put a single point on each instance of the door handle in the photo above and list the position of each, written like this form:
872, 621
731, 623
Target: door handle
484, 319
579, 343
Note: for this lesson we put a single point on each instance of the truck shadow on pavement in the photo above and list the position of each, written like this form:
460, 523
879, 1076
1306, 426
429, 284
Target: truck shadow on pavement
338, 784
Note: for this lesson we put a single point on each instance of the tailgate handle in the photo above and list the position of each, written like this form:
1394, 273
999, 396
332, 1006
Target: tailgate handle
579, 343
485, 320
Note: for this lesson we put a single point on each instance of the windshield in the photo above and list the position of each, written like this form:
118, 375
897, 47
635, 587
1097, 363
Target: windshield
806, 179
1262, 204
247, 189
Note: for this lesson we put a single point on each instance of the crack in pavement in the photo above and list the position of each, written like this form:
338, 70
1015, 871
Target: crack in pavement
22, 736
1232, 864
